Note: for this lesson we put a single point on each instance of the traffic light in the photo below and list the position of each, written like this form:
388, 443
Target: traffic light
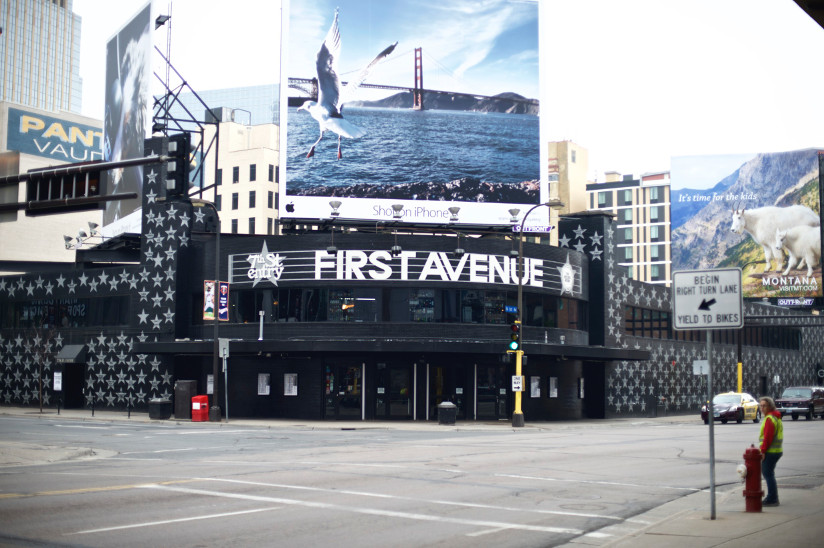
515, 336
177, 166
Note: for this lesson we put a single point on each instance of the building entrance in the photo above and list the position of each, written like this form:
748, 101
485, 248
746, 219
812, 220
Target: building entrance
343, 391
493, 392
448, 384
393, 391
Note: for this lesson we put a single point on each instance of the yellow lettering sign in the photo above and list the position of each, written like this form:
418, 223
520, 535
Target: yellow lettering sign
56, 130
30, 122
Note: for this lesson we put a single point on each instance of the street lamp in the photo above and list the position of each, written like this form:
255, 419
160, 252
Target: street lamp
518, 414
214, 410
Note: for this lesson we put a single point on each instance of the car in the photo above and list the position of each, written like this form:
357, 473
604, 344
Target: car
737, 406
801, 400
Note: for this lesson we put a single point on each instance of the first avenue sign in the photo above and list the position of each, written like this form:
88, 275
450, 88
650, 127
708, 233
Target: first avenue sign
424, 266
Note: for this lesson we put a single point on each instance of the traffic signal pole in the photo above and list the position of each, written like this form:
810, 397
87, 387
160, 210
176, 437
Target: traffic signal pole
518, 414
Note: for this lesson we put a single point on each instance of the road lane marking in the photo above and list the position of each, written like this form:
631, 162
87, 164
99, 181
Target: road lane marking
84, 490
413, 499
374, 511
516, 476
168, 521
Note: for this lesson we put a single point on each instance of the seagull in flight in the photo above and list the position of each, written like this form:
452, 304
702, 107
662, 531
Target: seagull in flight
327, 111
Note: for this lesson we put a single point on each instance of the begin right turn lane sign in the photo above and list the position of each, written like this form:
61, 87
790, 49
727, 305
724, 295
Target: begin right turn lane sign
707, 299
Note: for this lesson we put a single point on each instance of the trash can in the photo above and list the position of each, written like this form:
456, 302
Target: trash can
447, 412
184, 391
200, 409
160, 409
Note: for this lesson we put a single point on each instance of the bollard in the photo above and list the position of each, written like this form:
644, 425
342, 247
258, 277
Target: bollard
752, 483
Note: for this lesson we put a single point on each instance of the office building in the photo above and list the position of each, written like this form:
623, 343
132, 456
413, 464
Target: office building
41, 55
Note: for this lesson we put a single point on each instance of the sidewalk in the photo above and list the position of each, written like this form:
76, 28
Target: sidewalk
799, 521
683, 522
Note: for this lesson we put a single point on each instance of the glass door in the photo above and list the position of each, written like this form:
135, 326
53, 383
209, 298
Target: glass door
493, 393
343, 392
393, 398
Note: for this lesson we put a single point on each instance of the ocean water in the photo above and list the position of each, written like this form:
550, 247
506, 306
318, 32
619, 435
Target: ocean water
405, 146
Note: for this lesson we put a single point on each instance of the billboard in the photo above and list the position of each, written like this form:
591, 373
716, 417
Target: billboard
758, 212
49, 136
127, 122
359, 130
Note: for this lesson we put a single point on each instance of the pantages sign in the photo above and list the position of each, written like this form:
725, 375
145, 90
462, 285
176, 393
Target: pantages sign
57, 138
277, 268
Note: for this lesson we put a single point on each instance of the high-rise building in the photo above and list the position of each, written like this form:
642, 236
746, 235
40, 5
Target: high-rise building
40, 57
642, 211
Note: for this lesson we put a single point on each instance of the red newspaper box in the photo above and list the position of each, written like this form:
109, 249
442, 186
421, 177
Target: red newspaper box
200, 408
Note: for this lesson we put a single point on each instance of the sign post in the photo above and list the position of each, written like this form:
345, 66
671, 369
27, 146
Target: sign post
707, 300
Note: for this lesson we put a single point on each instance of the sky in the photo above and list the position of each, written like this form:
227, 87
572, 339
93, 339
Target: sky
635, 82
485, 47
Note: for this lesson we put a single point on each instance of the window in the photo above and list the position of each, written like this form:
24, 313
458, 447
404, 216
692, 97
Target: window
627, 234
270, 199
235, 174
655, 272
271, 173
234, 226
628, 253
604, 199
253, 172
251, 225
654, 233
234, 200
251, 198
219, 177
625, 197
218, 201
572, 156
654, 194
654, 214
653, 253
626, 215
269, 226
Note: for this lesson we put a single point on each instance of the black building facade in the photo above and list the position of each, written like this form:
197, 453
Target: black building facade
369, 324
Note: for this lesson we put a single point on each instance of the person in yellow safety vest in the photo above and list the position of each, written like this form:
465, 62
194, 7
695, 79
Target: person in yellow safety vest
771, 440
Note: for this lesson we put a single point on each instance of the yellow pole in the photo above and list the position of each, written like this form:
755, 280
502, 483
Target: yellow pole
739, 376
518, 415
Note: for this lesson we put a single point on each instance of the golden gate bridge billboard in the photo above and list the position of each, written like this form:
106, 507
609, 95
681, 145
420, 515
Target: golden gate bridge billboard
400, 111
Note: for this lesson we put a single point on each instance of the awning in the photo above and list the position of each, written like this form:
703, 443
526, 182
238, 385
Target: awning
72, 353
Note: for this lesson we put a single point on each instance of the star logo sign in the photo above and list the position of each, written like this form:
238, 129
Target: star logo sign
265, 266
567, 277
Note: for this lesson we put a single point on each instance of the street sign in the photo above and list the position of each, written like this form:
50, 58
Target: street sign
517, 383
707, 299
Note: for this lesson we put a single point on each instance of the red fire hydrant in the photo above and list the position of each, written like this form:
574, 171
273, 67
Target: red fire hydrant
752, 483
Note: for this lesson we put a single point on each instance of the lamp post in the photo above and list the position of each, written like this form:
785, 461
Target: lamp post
518, 414
214, 410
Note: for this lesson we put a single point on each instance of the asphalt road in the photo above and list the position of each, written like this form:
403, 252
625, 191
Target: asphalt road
199, 484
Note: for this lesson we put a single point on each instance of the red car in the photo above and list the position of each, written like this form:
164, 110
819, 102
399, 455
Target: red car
801, 400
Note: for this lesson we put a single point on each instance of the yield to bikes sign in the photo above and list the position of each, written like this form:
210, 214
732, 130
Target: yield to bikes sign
707, 299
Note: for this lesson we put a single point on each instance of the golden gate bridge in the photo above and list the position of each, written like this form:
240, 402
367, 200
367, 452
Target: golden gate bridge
309, 87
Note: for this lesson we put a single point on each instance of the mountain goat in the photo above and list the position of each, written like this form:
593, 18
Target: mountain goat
761, 223
802, 242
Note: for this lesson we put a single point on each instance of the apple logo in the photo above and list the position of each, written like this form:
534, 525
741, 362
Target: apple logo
290, 207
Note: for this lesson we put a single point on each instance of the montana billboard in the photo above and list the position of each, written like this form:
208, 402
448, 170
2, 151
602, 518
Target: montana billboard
358, 131
126, 124
758, 212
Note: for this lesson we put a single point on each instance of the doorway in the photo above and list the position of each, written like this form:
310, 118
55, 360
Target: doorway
493, 392
393, 392
448, 384
343, 392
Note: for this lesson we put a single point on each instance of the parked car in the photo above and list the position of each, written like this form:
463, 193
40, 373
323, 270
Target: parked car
801, 400
732, 406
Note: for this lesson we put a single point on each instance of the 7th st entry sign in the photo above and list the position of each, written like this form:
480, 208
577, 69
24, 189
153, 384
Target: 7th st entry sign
707, 299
